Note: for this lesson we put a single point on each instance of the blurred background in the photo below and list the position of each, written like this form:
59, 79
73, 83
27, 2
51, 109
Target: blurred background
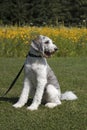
43, 12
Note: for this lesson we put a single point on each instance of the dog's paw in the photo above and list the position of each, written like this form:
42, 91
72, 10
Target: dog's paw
32, 108
17, 105
51, 105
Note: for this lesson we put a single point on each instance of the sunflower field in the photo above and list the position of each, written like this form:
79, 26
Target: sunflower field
15, 41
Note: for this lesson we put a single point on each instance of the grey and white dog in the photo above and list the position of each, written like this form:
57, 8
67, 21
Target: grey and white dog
39, 80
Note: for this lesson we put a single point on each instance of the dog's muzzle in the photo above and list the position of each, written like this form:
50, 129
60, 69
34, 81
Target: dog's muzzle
49, 53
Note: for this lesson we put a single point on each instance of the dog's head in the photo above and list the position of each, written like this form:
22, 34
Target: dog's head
44, 45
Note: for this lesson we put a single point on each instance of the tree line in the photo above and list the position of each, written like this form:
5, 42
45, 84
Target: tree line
43, 12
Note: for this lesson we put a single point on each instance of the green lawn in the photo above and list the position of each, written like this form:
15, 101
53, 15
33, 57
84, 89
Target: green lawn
71, 115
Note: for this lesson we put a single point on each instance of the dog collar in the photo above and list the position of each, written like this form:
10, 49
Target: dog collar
32, 55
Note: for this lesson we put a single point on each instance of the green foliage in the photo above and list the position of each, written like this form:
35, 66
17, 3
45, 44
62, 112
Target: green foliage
17, 47
70, 48
13, 48
42, 12
70, 115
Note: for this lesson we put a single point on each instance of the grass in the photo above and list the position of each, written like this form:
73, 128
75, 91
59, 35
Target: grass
71, 115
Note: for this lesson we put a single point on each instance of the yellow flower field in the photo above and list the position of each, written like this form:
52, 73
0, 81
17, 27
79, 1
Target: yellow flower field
25, 33
71, 41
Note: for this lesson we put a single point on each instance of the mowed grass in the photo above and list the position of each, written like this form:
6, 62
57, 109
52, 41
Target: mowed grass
71, 115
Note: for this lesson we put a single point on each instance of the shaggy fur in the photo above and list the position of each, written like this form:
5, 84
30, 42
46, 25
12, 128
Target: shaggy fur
39, 80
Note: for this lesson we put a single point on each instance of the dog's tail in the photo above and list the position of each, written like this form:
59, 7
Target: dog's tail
68, 95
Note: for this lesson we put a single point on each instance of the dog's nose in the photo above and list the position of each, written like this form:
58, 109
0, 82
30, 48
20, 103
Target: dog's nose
56, 49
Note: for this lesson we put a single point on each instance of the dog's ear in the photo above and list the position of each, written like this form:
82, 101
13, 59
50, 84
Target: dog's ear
37, 44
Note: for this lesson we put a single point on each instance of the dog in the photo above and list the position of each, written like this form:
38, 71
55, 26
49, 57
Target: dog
40, 82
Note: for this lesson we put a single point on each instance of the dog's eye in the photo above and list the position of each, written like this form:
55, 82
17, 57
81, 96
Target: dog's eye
47, 42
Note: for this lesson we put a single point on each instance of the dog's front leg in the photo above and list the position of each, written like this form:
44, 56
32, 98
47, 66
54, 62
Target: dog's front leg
24, 95
41, 82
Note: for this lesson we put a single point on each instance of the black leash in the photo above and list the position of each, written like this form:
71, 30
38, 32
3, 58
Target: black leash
14, 81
